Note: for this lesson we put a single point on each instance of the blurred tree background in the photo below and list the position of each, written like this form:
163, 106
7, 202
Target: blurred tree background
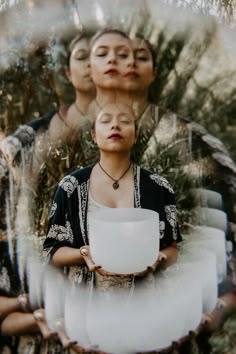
196, 82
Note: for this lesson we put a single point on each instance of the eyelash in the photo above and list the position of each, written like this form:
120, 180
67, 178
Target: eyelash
124, 56
81, 59
142, 58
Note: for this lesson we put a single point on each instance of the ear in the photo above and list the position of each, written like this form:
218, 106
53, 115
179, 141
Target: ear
68, 74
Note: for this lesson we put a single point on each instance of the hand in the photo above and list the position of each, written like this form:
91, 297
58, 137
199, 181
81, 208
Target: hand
23, 301
151, 269
78, 349
85, 253
47, 333
65, 340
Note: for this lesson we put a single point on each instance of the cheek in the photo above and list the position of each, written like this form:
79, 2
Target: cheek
94, 70
76, 71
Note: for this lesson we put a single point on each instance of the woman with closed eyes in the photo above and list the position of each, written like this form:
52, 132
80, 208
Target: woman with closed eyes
48, 144
92, 188
122, 71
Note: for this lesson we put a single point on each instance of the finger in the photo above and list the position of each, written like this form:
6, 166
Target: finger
90, 264
65, 340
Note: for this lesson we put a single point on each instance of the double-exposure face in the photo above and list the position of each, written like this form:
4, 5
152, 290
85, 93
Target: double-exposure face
111, 55
79, 70
141, 74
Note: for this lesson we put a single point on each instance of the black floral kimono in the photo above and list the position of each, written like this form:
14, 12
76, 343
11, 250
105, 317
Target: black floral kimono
68, 216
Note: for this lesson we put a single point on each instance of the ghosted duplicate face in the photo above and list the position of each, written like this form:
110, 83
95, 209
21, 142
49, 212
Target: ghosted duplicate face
141, 74
79, 69
111, 56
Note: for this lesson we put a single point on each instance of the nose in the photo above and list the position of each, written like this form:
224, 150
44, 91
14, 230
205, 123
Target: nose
115, 124
111, 58
131, 60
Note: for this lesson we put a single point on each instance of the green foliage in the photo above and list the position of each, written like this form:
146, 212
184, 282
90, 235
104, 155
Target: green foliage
224, 341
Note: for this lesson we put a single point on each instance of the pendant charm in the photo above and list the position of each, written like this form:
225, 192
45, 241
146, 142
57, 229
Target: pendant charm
115, 185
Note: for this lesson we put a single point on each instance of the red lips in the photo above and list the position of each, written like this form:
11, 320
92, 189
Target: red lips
115, 136
132, 74
112, 72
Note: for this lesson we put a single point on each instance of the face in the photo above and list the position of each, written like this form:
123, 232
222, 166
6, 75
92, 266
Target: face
142, 74
111, 55
114, 129
79, 72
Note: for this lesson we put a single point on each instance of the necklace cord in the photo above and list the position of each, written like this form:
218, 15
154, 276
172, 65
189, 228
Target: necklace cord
113, 179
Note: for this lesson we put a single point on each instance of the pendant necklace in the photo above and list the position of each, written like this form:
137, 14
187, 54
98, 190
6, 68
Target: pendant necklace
115, 185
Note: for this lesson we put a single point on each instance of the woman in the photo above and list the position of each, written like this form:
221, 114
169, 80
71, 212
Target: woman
123, 70
114, 182
53, 132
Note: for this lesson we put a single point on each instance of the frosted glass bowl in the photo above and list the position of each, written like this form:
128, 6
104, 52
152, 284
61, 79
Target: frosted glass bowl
211, 217
124, 240
208, 198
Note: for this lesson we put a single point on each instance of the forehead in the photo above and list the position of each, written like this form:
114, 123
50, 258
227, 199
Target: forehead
111, 40
139, 44
82, 44
116, 108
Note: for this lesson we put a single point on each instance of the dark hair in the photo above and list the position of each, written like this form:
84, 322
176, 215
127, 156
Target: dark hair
107, 31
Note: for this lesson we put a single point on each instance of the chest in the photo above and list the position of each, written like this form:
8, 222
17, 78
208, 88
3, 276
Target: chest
105, 194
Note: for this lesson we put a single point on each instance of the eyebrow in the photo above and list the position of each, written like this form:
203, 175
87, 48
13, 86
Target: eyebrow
105, 115
81, 50
124, 114
107, 46
138, 50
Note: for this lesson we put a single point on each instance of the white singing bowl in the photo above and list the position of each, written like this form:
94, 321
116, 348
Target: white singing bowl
211, 217
215, 241
76, 307
124, 240
107, 323
54, 297
35, 272
205, 265
130, 325
184, 278
214, 245
208, 198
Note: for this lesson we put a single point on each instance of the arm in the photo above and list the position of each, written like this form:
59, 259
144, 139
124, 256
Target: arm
171, 254
19, 323
8, 305
67, 256
59, 245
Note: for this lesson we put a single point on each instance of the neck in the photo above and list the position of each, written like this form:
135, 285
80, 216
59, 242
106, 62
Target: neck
138, 100
83, 100
115, 164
